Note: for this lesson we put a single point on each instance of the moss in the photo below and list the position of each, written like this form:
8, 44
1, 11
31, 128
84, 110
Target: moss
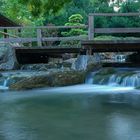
103, 75
98, 79
56, 79
125, 74
106, 71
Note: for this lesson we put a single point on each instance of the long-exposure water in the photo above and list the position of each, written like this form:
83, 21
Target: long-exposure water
82, 112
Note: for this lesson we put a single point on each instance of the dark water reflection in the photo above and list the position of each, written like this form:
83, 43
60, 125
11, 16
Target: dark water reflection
68, 117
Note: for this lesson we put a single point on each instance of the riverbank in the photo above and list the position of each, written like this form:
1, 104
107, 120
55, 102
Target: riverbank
54, 74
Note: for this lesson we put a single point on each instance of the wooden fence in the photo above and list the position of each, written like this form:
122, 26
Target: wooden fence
36, 34
92, 30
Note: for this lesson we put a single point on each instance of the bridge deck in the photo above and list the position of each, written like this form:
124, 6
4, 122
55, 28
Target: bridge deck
112, 46
41, 55
118, 64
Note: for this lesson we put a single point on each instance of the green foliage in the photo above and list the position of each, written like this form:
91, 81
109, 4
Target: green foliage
74, 20
39, 12
39, 7
77, 18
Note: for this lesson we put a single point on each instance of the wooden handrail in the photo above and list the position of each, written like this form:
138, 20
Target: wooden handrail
116, 30
92, 30
8, 34
114, 14
46, 27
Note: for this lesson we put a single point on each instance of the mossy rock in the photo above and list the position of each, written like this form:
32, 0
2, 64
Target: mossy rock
101, 79
106, 71
125, 74
93, 67
55, 79
68, 78
30, 83
103, 75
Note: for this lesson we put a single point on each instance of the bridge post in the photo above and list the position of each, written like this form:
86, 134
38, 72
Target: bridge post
39, 38
90, 32
91, 27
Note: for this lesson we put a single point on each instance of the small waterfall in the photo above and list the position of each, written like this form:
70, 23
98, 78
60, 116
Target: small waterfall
128, 81
82, 62
89, 78
4, 86
124, 79
133, 81
6, 82
114, 79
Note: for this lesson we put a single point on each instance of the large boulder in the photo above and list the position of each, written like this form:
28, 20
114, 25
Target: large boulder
9, 61
30, 83
67, 78
83, 61
3, 50
50, 65
55, 79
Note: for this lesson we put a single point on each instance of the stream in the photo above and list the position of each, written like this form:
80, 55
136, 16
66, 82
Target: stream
82, 112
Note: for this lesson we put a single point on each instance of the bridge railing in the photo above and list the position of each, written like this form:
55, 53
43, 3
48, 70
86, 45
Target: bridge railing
92, 30
43, 34
39, 34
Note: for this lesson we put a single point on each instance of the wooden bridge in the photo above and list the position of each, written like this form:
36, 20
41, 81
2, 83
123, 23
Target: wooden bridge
44, 37
111, 45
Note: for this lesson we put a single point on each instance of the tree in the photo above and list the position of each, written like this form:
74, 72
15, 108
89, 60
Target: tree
38, 7
74, 20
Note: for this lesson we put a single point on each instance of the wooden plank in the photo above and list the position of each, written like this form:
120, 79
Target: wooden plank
39, 37
91, 27
115, 14
18, 40
126, 64
90, 42
117, 30
73, 38
47, 50
112, 46
8, 34
45, 27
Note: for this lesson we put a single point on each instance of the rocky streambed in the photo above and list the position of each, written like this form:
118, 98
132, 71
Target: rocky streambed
53, 74
46, 79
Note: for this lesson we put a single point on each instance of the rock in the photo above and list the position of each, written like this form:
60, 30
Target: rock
106, 71
83, 61
9, 61
55, 79
93, 67
51, 65
68, 63
68, 78
30, 83
103, 75
41, 67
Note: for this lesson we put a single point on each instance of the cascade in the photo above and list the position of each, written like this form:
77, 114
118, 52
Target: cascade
133, 80
4, 86
82, 62
123, 79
